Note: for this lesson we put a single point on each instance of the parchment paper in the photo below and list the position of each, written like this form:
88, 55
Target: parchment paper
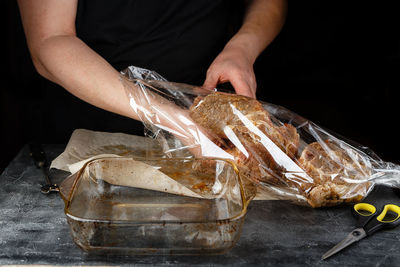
85, 145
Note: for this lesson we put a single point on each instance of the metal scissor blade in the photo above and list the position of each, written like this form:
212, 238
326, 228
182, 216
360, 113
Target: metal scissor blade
354, 236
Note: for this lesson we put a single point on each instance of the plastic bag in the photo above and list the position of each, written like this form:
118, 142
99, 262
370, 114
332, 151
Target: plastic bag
274, 148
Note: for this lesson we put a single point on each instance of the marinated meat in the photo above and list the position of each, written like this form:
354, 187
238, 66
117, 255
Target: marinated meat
332, 170
243, 120
217, 110
245, 123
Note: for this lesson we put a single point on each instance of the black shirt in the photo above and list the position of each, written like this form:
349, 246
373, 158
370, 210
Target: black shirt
178, 38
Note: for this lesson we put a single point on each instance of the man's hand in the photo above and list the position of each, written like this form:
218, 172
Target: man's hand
235, 66
262, 22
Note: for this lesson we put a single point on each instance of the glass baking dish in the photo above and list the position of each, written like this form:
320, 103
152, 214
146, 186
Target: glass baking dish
117, 219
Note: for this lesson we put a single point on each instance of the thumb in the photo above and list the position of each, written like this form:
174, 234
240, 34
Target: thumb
211, 81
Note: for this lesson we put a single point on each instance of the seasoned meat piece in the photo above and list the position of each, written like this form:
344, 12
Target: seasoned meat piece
216, 110
332, 170
255, 161
249, 128
244, 122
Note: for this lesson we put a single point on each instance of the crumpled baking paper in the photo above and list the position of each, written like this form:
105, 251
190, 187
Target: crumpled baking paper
85, 145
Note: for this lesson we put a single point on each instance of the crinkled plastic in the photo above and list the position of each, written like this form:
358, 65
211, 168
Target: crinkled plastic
274, 148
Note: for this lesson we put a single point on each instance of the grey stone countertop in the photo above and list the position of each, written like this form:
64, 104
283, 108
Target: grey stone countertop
34, 230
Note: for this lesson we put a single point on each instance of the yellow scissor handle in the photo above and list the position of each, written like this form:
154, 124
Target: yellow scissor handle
389, 207
365, 207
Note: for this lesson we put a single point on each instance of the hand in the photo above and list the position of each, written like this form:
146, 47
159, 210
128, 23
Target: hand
234, 66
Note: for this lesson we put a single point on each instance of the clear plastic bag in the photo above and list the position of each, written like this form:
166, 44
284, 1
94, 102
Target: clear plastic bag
274, 148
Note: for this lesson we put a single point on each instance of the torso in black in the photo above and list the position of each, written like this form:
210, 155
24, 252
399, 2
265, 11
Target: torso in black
179, 39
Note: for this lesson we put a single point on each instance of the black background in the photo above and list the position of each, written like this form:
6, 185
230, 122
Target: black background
336, 63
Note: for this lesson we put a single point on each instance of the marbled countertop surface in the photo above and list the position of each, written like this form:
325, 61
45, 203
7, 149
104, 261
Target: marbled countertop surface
34, 230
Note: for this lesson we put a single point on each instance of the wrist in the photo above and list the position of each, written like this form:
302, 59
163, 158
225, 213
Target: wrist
245, 44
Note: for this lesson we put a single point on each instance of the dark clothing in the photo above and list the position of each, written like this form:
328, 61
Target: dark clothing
179, 39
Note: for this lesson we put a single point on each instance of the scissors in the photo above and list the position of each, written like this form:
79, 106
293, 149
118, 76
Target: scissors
368, 222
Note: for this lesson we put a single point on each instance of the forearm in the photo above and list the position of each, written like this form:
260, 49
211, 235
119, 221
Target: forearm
262, 22
69, 62
63, 58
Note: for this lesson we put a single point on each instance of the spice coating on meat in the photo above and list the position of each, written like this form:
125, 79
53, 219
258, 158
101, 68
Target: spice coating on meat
243, 120
333, 169
216, 110
246, 124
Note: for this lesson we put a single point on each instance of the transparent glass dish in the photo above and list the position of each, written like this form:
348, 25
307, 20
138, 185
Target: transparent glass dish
109, 218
